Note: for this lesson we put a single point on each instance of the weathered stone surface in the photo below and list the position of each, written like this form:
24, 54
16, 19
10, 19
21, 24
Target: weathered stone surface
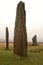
7, 38
20, 36
34, 39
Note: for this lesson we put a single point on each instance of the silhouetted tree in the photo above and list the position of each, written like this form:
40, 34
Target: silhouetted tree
7, 38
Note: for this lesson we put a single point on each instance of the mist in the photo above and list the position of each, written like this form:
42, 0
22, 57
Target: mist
34, 18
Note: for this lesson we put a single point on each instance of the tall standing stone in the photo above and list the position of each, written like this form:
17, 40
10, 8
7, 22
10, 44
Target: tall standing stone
34, 39
7, 38
20, 36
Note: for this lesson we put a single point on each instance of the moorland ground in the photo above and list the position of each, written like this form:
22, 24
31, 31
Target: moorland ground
34, 55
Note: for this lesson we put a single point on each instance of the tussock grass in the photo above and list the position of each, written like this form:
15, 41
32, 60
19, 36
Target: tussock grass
7, 57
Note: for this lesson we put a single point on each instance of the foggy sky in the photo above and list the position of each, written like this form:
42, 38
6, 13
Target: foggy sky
34, 18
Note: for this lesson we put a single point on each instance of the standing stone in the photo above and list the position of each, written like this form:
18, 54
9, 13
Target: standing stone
34, 39
7, 38
20, 36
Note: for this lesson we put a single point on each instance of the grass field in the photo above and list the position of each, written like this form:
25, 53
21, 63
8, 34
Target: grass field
35, 56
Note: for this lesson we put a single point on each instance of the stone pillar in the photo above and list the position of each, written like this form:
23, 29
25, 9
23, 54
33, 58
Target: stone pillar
34, 39
7, 38
20, 36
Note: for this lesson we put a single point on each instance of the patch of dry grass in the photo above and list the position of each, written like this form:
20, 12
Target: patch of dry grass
4, 45
36, 48
30, 47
